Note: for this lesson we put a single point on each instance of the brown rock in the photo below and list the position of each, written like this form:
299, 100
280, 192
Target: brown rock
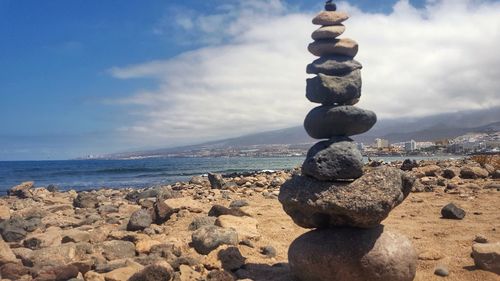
328, 32
330, 18
487, 256
344, 46
93, 276
6, 254
4, 212
224, 257
22, 190
351, 254
246, 227
123, 273
13, 271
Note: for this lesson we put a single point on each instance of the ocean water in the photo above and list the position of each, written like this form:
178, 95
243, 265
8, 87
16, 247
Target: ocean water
91, 174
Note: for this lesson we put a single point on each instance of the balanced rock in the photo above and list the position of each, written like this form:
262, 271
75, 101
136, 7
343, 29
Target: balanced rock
330, 90
325, 122
352, 254
344, 46
330, 18
333, 65
334, 159
328, 32
363, 203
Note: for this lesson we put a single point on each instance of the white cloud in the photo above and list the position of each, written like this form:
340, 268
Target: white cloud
251, 75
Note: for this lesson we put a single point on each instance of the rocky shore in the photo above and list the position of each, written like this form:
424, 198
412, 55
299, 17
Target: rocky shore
232, 227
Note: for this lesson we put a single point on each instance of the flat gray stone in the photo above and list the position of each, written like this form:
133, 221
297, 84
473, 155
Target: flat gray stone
351, 254
333, 65
331, 90
362, 203
208, 238
333, 160
325, 122
330, 18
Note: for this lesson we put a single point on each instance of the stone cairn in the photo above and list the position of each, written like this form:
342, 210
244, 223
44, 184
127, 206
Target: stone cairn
334, 195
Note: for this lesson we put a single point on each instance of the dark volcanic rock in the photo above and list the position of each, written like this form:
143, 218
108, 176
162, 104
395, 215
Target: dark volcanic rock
451, 211
216, 180
330, 90
86, 200
352, 254
333, 160
219, 210
333, 65
363, 203
139, 220
408, 165
152, 273
487, 256
15, 229
208, 238
325, 122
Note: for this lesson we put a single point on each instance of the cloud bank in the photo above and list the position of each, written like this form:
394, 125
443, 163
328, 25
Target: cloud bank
250, 76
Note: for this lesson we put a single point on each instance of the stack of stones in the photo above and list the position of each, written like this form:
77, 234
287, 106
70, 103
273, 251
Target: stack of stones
334, 195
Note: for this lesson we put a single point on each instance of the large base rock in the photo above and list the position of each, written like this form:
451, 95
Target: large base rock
351, 254
363, 203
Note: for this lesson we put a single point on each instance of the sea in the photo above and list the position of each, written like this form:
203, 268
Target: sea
138, 173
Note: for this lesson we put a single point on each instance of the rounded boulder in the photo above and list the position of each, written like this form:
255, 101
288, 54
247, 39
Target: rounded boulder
325, 122
333, 160
351, 254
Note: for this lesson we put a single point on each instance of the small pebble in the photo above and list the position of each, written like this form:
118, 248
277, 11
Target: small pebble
268, 251
441, 270
481, 239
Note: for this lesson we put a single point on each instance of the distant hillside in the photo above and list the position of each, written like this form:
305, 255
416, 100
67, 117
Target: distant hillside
430, 128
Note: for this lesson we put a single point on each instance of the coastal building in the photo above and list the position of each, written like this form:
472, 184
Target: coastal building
381, 143
410, 146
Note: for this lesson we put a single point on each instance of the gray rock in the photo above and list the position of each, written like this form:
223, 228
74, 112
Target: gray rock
268, 251
333, 65
351, 254
451, 211
199, 222
487, 256
86, 200
363, 203
216, 180
155, 192
333, 160
441, 270
330, 18
117, 249
139, 220
330, 90
325, 122
15, 229
238, 203
208, 238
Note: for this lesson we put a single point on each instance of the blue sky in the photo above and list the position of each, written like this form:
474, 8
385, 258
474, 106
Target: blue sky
63, 91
